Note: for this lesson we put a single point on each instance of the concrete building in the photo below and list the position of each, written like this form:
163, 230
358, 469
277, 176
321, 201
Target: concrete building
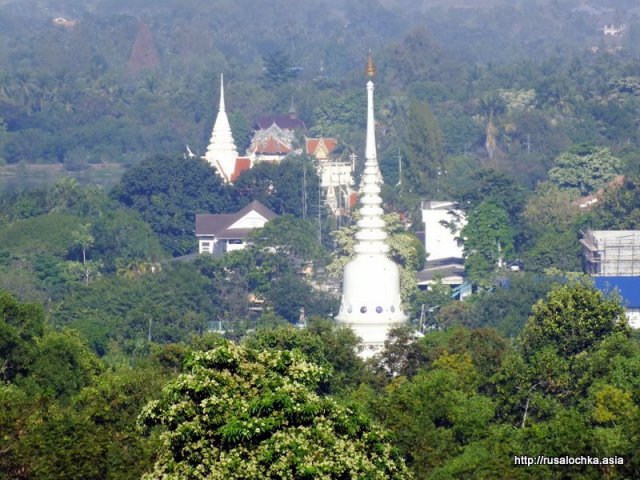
612, 252
442, 225
445, 260
371, 303
612, 258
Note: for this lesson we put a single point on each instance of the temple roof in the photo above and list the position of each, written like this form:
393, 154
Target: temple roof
313, 144
282, 121
242, 164
271, 146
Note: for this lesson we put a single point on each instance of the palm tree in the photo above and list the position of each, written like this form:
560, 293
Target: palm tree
491, 106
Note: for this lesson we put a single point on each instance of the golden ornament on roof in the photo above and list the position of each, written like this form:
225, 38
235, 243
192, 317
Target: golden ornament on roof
370, 69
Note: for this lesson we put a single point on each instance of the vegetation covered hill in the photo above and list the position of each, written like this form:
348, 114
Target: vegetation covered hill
514, 110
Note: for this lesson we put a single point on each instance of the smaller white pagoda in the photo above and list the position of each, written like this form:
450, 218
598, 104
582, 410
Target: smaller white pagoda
222, 153
371, 303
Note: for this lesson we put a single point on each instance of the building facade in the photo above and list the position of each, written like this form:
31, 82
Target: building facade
612, 258
221, 233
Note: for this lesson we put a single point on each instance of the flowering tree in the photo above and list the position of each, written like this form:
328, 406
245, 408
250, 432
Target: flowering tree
243, 413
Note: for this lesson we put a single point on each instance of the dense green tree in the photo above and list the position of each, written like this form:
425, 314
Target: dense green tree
493, 186
277, 69
554, 251
63, 364
280, 186
507, 309
573, 318
562, 352
20, 324
236, 410
121, 311
620, 207
551, 222
423, 146
341, 113
488, 242
92, 433
323, 343
585, 170
290, 296
550, 208
417, 58
434, 413
291, 237
168, 192
121, 237
50, 234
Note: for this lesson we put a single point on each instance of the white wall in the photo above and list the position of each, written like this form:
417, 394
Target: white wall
251, 220
439, 241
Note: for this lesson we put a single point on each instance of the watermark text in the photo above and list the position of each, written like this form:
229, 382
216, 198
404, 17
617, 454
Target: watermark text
527, 461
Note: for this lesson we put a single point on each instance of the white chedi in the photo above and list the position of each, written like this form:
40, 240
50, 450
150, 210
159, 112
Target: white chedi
222, 152
371, 303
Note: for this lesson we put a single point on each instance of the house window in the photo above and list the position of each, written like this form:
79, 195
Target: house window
205, 247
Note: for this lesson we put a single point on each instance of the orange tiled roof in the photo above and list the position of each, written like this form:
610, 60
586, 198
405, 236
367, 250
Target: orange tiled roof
242, 164
353, 199
272, 146
312, 144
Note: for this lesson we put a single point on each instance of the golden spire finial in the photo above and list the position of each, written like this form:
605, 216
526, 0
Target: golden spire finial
370, 69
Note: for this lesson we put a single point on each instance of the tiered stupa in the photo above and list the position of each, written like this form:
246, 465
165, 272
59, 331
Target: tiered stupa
371, 303
222, 153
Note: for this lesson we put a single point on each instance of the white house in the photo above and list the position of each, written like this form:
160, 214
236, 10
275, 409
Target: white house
445, 260
220, 233
612, 30
442, 224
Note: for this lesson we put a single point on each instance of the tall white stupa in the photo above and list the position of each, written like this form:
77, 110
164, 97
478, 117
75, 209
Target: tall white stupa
371, 303
222, 152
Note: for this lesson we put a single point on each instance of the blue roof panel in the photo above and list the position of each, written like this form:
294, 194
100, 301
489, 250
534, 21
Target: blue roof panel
629, 288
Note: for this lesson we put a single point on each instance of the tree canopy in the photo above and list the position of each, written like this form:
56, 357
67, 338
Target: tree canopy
168, 192
242, 412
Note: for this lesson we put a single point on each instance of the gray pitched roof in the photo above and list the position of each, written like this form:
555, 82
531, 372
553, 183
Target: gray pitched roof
218, 224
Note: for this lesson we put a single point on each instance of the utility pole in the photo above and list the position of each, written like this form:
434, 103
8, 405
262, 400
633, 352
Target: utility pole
319, 212
304, 190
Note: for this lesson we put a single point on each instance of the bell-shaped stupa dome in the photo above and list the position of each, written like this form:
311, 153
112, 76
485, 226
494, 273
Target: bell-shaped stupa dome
371, 303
